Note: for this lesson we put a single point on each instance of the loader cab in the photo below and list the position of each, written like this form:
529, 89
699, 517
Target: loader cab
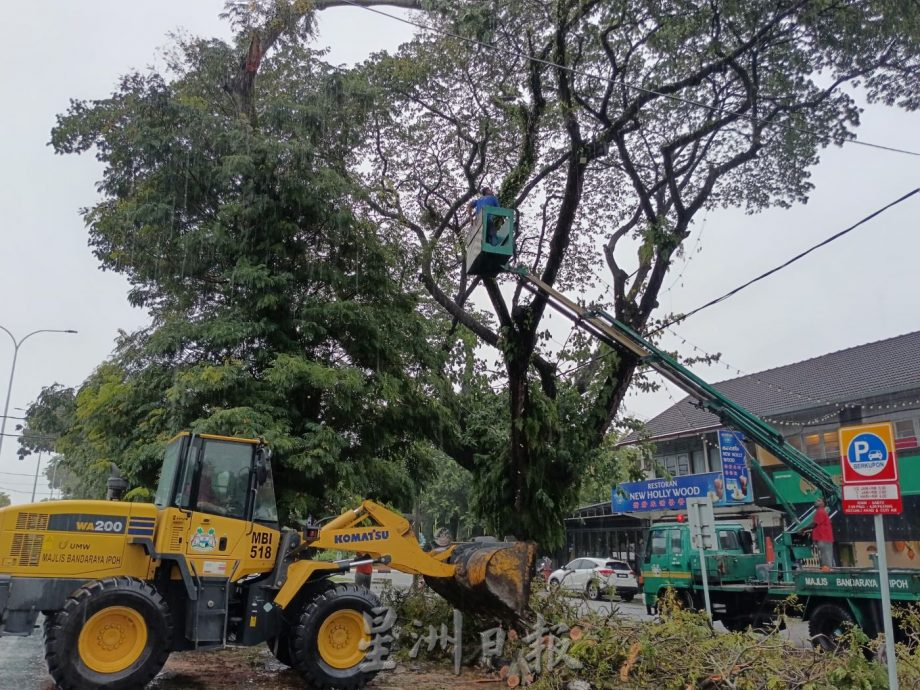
219, 475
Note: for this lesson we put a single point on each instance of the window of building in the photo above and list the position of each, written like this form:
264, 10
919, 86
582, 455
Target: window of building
904, 428
813, 446
831, 444
715, 460
698, 462
795, 440
676, 465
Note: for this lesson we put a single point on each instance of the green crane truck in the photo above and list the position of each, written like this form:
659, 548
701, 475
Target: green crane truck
744, 587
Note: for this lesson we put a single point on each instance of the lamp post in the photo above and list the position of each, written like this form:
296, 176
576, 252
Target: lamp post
37, 468
9, 389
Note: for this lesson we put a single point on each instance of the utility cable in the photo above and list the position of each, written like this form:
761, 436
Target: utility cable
758, 278
783, 265
590, 75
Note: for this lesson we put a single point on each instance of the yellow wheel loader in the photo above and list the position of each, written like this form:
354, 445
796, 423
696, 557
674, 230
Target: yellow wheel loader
121, 585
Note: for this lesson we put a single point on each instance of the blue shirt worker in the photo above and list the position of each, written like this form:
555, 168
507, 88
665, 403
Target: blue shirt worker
486, 198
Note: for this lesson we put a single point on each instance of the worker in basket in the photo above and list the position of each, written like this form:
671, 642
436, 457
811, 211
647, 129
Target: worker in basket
487, 198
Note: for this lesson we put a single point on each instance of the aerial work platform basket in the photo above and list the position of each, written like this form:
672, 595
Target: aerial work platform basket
490, 241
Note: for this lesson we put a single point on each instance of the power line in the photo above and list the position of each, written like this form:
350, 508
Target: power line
32, 437
791, 261
599, 77
738, 289
690, 256
19, 474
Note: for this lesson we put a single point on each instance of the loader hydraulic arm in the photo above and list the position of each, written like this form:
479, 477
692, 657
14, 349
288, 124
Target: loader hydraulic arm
377, 531
488, 577
614, 333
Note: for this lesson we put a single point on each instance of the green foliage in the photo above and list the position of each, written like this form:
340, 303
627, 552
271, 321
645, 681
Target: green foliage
418, 608
4, 499
606, 125
446, 501
540, 499
619, 653
275, 312
610, 466
276, 228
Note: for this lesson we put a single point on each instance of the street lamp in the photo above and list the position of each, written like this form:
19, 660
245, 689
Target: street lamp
9, 388
37, 468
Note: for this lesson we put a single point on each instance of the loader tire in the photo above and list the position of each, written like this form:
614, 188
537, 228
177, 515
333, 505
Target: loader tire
325, 643
114, 633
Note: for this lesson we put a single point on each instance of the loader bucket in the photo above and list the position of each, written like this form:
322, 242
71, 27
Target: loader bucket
492, 579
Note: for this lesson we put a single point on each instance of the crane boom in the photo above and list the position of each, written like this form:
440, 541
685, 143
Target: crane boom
615, 333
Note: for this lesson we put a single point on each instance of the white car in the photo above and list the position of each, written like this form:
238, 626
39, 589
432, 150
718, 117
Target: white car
596, 577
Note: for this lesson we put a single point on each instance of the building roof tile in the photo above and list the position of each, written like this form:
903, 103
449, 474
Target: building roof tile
856, 373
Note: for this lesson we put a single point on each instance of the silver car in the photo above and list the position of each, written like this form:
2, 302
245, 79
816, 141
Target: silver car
596, 577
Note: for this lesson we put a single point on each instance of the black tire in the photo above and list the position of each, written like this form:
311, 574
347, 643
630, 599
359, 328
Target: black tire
627, 597
553, 585
73, 660
827, 623
280, 647
317, 666
736, 624
683, 599
593, 590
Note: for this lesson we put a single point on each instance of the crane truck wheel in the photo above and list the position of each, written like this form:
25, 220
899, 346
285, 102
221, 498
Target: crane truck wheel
114, 633
326, 644
827, 623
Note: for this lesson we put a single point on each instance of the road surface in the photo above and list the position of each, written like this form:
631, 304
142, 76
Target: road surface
22, 663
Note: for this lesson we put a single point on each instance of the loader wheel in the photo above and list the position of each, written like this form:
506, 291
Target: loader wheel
114, 633
325, 644
827, 624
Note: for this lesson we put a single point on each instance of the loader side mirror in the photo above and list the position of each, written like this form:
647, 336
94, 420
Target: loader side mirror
115, 485
263, 456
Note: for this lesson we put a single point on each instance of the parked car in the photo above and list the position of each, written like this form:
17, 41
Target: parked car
596, 577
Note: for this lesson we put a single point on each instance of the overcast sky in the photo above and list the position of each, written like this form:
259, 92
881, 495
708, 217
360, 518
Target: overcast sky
859, 289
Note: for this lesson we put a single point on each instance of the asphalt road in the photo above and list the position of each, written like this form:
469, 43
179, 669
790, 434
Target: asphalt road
22, 663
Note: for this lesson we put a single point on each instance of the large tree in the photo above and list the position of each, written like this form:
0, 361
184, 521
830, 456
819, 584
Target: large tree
610, 126
276, 312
